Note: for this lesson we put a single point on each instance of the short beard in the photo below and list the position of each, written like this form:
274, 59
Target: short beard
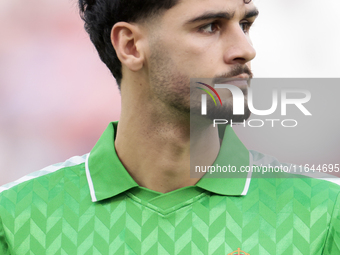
224, 111
169, 85
235, 71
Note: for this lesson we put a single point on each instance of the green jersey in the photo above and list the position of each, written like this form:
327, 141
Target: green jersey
91, 205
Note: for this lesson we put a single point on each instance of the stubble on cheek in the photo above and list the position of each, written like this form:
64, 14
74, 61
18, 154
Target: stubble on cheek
167, 82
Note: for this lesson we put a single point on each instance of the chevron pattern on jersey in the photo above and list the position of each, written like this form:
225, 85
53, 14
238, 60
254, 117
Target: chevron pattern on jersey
53, 214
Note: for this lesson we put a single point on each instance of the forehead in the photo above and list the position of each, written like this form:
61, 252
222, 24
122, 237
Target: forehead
188, 8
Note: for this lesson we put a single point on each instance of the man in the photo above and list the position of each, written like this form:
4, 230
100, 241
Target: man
132, 194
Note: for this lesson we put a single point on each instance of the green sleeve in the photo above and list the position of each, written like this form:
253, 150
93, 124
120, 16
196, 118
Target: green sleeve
332, 246
3, 244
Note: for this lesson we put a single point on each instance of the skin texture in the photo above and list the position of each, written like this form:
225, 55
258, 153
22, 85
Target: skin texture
159, 56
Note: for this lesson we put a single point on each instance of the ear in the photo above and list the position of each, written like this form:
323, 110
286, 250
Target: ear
127, 38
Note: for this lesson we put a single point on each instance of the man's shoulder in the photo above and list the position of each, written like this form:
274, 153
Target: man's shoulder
35, 205
47, 178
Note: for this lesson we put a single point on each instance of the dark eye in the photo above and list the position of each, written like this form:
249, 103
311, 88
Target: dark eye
210, 28
245, 26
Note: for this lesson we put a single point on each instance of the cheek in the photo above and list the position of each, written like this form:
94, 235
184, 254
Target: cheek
203, 64
196, 56
206, 51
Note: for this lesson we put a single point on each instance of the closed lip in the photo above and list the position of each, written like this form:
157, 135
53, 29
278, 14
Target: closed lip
241, 81
240, 77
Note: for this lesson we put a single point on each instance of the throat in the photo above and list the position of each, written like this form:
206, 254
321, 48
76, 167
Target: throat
161, 159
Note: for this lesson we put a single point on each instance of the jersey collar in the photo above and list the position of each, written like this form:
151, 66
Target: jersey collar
107, 176
235, 155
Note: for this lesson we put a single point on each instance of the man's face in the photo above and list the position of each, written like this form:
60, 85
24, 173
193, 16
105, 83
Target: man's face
198, 39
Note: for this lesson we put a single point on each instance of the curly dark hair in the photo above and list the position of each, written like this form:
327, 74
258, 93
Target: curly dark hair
101, 15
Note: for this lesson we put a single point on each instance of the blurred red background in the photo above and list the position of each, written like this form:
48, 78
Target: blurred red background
56, 96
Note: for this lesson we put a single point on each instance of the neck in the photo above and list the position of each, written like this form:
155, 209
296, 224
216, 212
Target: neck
153, 144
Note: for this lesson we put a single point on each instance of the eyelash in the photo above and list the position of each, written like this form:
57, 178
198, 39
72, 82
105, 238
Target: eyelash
246, 27
216, 23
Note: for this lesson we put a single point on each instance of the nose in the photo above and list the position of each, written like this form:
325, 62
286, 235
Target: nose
238, 47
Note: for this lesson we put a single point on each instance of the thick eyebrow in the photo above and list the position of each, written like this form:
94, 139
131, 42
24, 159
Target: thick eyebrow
211, 15
222, 15
252, 13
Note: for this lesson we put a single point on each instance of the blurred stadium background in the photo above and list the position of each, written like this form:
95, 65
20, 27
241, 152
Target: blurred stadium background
56, 96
